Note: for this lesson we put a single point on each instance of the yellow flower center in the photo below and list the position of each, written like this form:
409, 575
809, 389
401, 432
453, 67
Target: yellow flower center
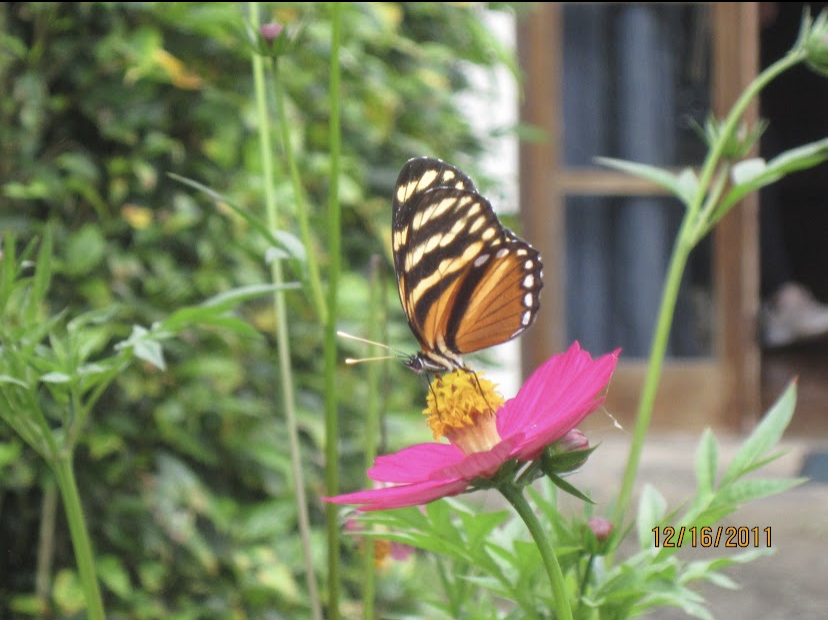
461, 407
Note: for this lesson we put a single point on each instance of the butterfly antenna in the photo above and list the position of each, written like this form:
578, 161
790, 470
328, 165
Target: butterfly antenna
342, 334
351, 360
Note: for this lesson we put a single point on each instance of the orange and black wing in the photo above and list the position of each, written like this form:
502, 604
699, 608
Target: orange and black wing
465, 282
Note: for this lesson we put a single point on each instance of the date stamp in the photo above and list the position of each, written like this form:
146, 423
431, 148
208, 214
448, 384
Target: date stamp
712, 537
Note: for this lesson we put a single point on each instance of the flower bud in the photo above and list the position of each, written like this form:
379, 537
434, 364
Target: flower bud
597, 533
813, 38
276, 40
270, 32
567, 454
739, 143
601, 527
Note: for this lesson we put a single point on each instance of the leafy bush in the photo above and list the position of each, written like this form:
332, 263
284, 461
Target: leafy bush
184, 473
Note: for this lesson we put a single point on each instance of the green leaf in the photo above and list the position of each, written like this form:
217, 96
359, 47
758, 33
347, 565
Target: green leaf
659, 176
707, 462
256, 223
55, 377
144, 346
563, 485
207, 311
753, 174
741, 491
114, 575
85, 250
290, 244
67, 592
747, 170
766, 435
14, 381
651, 509
42, 277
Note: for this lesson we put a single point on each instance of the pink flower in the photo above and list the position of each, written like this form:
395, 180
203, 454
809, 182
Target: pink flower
556, 398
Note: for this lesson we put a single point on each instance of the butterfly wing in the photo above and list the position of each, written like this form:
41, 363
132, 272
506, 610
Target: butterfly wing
465, 282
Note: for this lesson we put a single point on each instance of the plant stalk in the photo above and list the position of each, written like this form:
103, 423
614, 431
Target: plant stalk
329, 320
553, 568
281, 328
694, 225
65, 475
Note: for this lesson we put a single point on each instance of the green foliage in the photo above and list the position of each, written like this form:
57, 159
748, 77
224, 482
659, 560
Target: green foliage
492, 556
182, 462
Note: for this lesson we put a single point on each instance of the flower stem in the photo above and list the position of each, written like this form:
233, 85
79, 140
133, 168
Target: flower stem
672, 283
553, 568
65, 475
283, 346
329, 319
372, 433
696, 223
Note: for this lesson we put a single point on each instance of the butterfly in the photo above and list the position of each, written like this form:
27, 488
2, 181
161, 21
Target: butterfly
465, 281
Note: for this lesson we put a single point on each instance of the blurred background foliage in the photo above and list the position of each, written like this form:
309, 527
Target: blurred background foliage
184, 473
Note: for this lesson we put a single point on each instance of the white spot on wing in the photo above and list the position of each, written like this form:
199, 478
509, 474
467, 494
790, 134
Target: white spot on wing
481, 260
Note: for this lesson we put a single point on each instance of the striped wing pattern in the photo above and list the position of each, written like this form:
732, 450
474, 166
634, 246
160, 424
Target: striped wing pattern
465, 282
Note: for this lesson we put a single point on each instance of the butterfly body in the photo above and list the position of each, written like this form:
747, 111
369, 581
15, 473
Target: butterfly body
465, 281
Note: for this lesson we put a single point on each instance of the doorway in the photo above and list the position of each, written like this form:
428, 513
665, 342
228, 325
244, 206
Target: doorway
629, 80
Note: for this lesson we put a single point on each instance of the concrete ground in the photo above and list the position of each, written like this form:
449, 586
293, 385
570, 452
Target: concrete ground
792, 584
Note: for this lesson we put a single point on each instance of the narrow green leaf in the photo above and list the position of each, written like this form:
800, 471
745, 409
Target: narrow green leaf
209, 310
151, 352
764, 437
13, 380
290, 244
563, 485
659, 176
8, 261
233, 297
688, 185
256, 223
750, 176
651, 509
747, 170
707, 462
55, 377
741, 491
42, 277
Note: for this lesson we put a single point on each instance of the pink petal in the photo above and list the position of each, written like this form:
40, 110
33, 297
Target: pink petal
558, 395
401, 496
481, 464
541, 436
415, 463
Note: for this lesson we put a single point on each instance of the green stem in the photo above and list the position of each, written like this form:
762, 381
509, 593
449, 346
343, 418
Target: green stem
734, 117
317, 297
46, 543
515, 497
654, 367
372, 433
329, 321
692, 229
585, 579
84, 557
281, 328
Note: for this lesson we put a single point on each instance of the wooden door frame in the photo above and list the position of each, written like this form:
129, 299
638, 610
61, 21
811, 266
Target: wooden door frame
721, 391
